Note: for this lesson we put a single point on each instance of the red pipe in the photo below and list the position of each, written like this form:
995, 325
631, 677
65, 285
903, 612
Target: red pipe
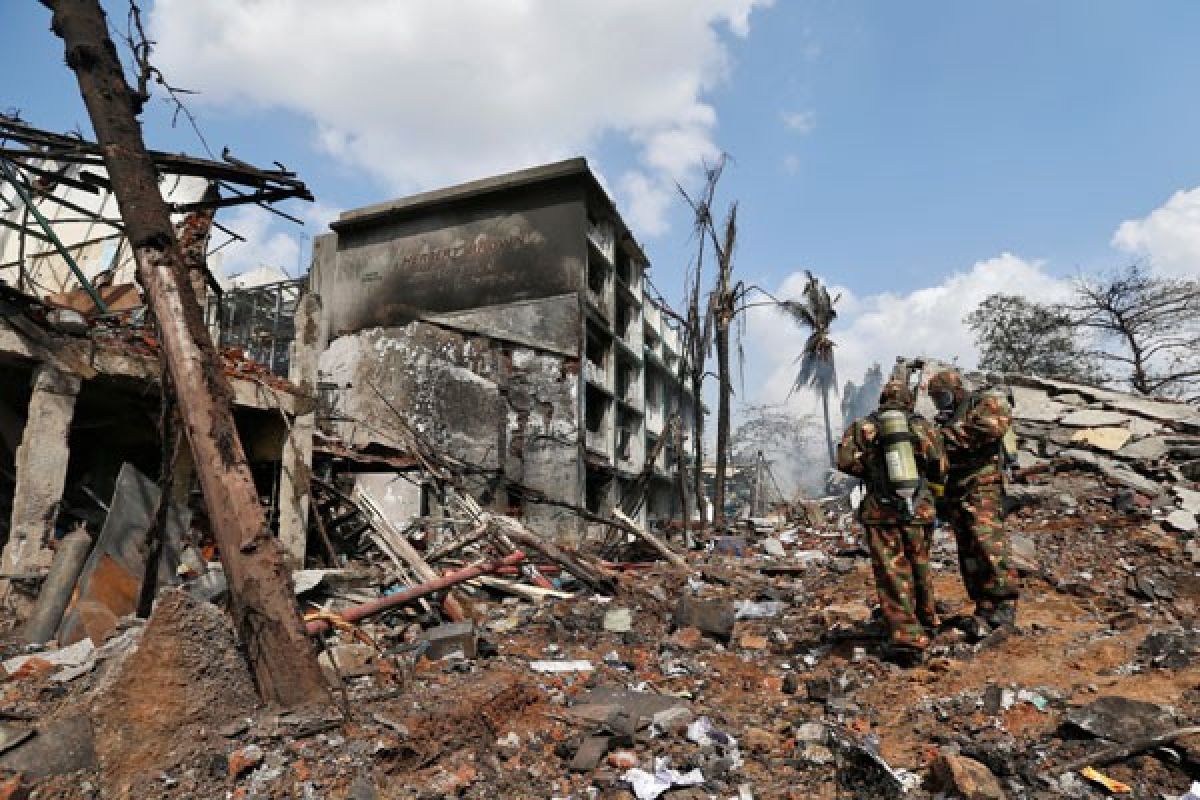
355, 613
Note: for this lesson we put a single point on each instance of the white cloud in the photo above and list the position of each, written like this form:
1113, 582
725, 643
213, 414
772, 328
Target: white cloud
646, 203
879, 327
791, 164
421, 92
800, 122
1168, 237
269, 240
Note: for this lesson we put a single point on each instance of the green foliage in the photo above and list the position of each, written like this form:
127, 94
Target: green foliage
1015, 334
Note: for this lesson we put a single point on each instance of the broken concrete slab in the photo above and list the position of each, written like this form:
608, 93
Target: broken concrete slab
1150, 448
640, 705
71, 656
714, 618
1036, 406
1182, 521
1110, 440
618, 620
351, 660
1120, 719
590, 753
1026, 459
1143, 427
60, 746
1071, 399
1188, 499
1024, 552
1093, 418
454, 637
1113, 470
12, 735
967, 778
773, 547
1179, 415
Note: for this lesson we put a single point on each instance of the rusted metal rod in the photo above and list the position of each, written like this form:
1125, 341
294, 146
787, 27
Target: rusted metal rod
356, 613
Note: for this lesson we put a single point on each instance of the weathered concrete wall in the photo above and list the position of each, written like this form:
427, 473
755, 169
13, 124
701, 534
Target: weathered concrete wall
41, 462
501, 406
397, 497
511, 246
295, 474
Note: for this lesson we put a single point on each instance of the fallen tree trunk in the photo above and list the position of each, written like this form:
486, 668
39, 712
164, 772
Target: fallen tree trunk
265, 614
356, 613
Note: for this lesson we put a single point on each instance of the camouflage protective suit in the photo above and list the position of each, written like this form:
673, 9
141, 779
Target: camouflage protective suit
973, 502
898, 540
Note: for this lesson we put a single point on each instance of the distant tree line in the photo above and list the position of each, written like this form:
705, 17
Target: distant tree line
1127, 328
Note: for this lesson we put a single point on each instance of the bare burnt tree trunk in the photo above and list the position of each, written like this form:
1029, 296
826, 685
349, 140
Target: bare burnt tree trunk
264, 611
725, 390
681, 467
828, 426
698, 434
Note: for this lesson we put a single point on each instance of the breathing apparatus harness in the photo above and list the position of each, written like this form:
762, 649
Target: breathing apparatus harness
896, 478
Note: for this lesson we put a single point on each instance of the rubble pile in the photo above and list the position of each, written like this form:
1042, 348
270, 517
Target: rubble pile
750, 668
1148, 449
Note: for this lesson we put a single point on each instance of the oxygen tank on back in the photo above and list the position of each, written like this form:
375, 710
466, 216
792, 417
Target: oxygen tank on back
899, 455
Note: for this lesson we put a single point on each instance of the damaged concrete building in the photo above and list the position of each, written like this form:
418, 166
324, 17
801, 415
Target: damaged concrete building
81, 413
506, 321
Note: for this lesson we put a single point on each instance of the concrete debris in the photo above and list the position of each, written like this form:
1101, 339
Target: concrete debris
1120, 719
967, 778
618, 620
1182, 520
73, 655
712, 617
455, 637
1109, 440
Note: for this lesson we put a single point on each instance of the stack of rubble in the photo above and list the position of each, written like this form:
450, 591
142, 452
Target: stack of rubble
472, 657
1148, 448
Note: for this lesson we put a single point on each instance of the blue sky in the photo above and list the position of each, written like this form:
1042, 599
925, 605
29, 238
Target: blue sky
927, 138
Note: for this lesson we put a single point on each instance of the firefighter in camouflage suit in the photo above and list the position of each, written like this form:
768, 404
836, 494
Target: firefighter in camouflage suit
899, 533
973, 427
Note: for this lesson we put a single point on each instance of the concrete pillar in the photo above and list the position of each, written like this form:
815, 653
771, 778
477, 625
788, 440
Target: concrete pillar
296, 468
41, 473
58, 587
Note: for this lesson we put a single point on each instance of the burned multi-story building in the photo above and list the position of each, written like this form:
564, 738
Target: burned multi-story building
505, 321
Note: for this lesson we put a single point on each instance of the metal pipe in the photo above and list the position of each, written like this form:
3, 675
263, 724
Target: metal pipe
58, 587
355, 613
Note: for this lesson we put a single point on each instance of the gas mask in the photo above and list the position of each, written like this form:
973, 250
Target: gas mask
944, 400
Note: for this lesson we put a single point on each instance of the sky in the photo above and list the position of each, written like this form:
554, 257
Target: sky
916, 156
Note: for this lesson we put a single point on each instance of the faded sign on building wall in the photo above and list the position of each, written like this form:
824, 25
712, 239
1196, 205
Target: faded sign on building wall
388, 272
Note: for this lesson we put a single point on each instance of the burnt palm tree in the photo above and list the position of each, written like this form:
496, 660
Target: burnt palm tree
815, 313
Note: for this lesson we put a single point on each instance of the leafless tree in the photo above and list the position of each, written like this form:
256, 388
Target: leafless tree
726, 302
1144, 326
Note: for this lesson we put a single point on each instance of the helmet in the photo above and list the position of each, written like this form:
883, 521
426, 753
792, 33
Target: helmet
896, 395
946, 389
